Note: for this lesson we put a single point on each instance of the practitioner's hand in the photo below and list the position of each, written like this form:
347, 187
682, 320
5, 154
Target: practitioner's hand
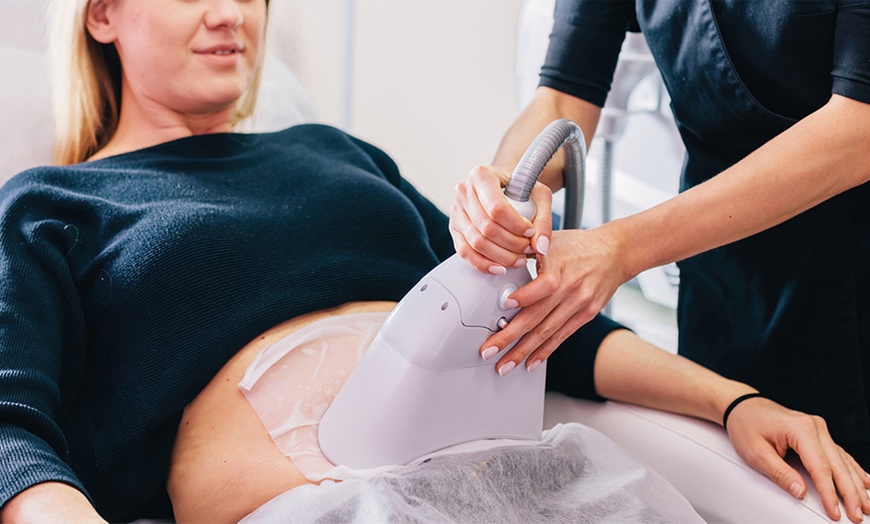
575, 281
488, 232
762, 431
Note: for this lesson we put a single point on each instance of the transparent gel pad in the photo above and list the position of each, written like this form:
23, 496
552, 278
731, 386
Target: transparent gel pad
291, 383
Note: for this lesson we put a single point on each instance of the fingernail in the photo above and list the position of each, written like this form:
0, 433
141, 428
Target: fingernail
507, 368
528, 250
497, 270
511, 303
795, 489
534, 365
543, 245
489, 352
860, 513
529, 233
520, 262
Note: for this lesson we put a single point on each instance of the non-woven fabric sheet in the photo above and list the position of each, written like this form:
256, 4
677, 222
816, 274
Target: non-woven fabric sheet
574, 475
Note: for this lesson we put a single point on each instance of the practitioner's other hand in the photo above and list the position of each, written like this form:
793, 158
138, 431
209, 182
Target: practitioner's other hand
762, 431
488, 232
575, 281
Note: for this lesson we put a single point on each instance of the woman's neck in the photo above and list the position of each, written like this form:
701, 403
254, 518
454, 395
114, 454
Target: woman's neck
139, 127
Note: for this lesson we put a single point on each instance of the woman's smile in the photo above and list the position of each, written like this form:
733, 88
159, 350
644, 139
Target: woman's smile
222, 54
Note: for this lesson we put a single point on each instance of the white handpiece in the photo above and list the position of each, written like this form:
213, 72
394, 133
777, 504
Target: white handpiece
527, 208
422, 384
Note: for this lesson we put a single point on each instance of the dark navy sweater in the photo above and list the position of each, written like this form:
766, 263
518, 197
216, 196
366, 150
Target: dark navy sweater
127, 283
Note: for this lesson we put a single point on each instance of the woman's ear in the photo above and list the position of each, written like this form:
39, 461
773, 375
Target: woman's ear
99, 21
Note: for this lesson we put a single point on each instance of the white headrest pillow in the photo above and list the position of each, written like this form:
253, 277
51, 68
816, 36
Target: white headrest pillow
26, 131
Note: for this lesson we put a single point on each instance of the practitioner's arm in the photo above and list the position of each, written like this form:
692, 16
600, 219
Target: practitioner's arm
628, 369
50, 502
788, 175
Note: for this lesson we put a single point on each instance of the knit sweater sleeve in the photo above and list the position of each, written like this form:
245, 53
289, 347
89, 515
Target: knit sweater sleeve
571, 368
40, 323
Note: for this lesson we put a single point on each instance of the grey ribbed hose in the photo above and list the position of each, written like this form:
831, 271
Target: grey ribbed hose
606, 176
559, 133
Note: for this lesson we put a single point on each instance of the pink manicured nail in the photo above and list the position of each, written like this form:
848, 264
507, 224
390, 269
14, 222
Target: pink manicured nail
543, 245
507, 368
497, 270
511, 303
534, 365
520, 262
528, 250
489, 352
529, 233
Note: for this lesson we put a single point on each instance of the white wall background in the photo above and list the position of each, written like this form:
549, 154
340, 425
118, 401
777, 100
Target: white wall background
432, 83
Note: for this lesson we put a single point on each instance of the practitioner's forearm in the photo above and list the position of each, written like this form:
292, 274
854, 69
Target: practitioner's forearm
629, 369
547, 106
821, 156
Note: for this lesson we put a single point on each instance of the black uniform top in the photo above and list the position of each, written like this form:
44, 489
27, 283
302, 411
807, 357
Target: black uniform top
787, 310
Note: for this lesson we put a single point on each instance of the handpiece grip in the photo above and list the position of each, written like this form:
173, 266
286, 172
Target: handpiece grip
558, 133
526, 209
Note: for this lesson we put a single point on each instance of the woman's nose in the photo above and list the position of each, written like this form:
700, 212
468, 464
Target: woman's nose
224, 14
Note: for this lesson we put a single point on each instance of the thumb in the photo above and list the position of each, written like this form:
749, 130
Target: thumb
543, 219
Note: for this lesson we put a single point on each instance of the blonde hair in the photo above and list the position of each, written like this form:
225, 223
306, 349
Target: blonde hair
85, 80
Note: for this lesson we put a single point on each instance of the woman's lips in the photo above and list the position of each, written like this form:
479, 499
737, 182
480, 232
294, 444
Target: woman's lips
222, 54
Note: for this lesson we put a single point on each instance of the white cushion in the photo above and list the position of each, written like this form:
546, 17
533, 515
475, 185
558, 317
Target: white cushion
25, 116
696, 457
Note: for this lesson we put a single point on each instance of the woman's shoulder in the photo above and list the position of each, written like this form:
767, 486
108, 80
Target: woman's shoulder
324, 138
31, 195
317, 134
36, 177
54, 185
70, 176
